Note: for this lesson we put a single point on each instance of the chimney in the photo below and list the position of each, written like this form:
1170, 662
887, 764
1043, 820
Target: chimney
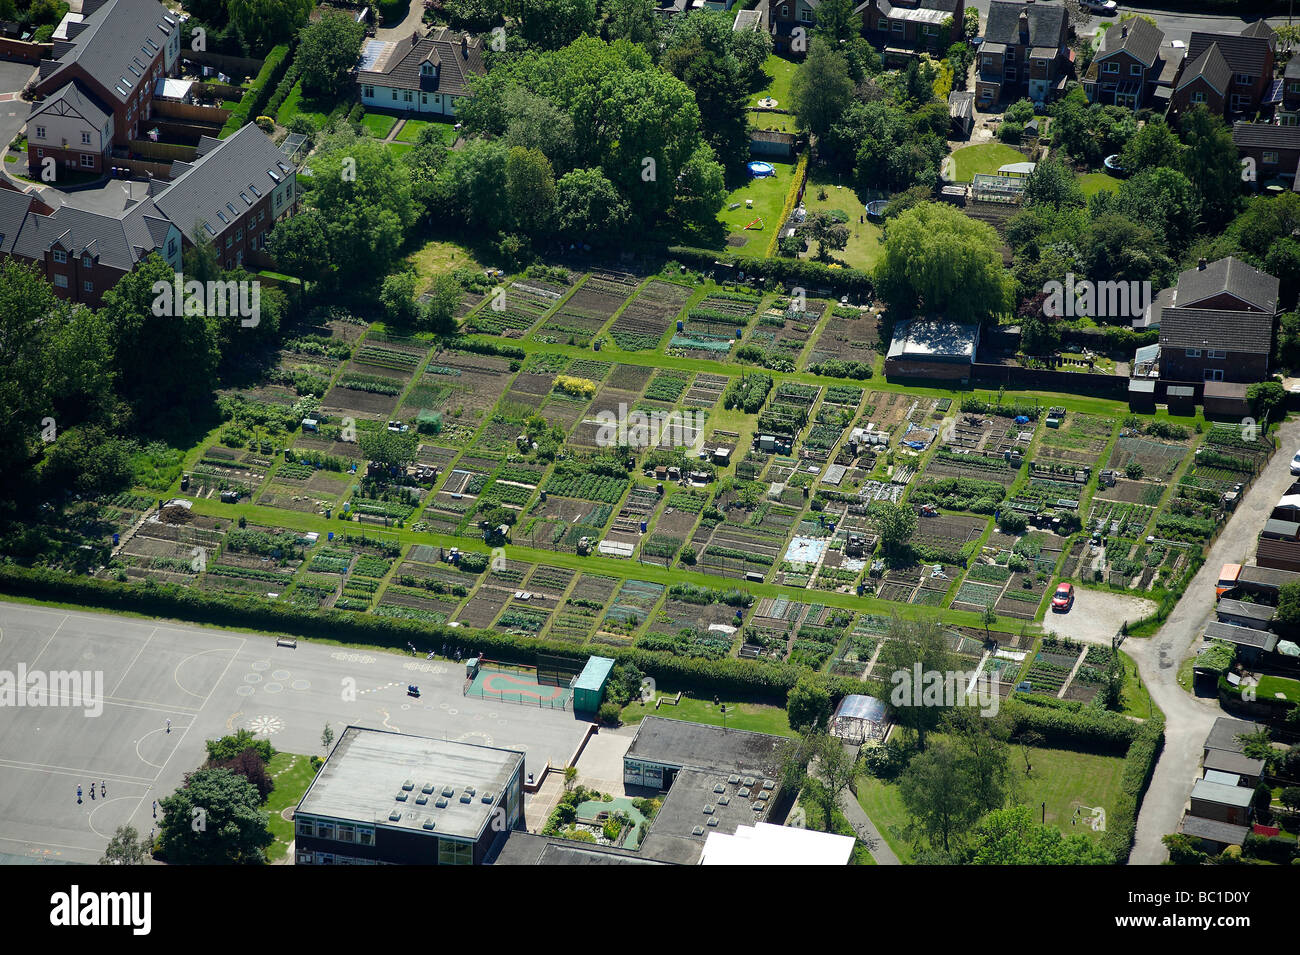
1123, 32
464, 46
1201, 265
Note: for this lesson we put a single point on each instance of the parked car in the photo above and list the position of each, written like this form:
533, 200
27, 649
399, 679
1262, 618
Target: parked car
1063, 599
1105, 7
1295, 465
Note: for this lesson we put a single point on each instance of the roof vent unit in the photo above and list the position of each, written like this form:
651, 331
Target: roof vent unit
719, 788
401, 797
448, 790
466, 798
712, 822
708, 810
697, 831
733, 779
759, 806
395, 816
486, 798
441, 803
421, 800
724, 800
471, 791
743, 794
427, 788
749, 780
408, 785
769, 785
429, 824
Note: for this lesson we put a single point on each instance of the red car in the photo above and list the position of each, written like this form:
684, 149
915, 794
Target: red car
1063, 599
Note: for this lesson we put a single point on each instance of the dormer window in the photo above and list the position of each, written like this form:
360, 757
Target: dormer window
86, 262
428, 69
60, 256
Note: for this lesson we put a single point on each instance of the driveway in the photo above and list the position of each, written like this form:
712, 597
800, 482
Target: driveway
412, 22
13, 110
1188, 719
1097, 615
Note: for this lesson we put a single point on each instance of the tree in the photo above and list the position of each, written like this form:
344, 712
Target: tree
363, 195
389, 449
633, 20
721, 88
836, 21
85, 458
979, 741
588, 207
896, 524
328, 51
833, 770
553, 23
250, 766
939, 261
1183, 849
808, 704
397, 296
1012, 837
125, 848
264, 23
530, 191
471, 183
300, 245
215, 818
937, 794
821, 88
988, 617
827, 233
1162, 198
27, 301
228, 747
1053, 183
701, 189
1211, 162
165, 357
1155, 144
912, 643
533, 121
326, 737
1265, 397
1288, 340
445, 298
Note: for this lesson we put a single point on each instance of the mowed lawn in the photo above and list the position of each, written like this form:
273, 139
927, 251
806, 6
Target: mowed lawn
866, 239
740, 716
985, 158
779, 72
292, 774
410, 131
378, 125
768, 195
1094, 182
1063, 779
295, 105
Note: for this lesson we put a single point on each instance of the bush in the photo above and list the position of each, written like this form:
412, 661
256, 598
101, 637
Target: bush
609, 714
255, 98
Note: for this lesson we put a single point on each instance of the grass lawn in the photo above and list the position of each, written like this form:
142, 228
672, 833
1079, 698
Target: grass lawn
740, 716
780, 72
292, 774
1137, 701
1270, 686
438, 257
1094, 182
400, 149
1062, 779
410, 132
378, 124
295, 105
769, 199
985, 158
865, 238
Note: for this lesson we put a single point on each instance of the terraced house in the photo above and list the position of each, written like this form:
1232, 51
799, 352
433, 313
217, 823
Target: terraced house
428, 75
1133, 69
96, 90
1024, 53
231, 196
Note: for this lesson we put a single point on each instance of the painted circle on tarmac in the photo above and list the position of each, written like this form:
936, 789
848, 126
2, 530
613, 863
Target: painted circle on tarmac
280, 675
452, 711
244, 690
273, 687
301, 684
266, 725
261, 665
252, 678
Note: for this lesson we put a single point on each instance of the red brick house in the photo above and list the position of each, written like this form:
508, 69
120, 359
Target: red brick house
1024, 53
112, 58
912, 26
1133, 68
785, 17
1230, 73
1274, 149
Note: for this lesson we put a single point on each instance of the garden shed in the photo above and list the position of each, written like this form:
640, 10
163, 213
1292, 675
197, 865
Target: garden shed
589, 686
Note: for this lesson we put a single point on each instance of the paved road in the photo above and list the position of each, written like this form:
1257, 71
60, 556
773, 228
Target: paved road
1188, 719
867, 831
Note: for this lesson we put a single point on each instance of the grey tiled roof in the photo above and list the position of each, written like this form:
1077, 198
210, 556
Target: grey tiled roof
1265, 135
108, 45
1211, 65
120, 242
456, 64
78, 100
1249, 333
1137, 37
1245, 54
205, 189
1230, 275
14, 206
1046, 21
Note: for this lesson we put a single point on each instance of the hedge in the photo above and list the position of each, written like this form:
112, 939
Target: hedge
789, 271
284, 88
1139, 765
791, 197
747, 678
255, 98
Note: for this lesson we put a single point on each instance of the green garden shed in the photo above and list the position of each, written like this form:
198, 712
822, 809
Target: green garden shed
589, 687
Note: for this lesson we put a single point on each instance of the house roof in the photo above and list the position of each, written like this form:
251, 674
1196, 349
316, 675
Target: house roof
1208, 64
1046, 23
1249, 333
1222, 795
934, 339
120, 242
1224, 833
1231, 275
1265, 136
1244, 54
72, 98
1224, 733
1259, 28
14, 206
115, 44
397, 65
1138, 37
1229, 762
229, 177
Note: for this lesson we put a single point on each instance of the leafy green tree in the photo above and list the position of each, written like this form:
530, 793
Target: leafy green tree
363, 194
721, 90
938, 260
632, 20
228, 747
896, 524
832, 770
1053, 183
326, 737
588, 208
1155, 144
471, 184
125, 848
300, 245
533, 121
530, 191
215, 818
1265, 398
821, 88
700, 190
808, 704
425, 160
836, 21
389, 449
89, 460
937, 794
913, 642
1121, 249
328, 51
397, 296
26, 303
1288, 340
1012, 837
1211, 162
444, 302
1183, 849
553, 23
827, 233
1162, 198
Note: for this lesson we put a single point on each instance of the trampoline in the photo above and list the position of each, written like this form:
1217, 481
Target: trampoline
876, 208
759, 169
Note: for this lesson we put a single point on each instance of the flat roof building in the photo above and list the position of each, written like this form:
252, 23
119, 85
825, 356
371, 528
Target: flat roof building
663, 747
390, 798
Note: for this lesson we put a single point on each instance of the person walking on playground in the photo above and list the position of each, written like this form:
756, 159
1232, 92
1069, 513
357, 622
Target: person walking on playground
101, 789
169, 726
78, 795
